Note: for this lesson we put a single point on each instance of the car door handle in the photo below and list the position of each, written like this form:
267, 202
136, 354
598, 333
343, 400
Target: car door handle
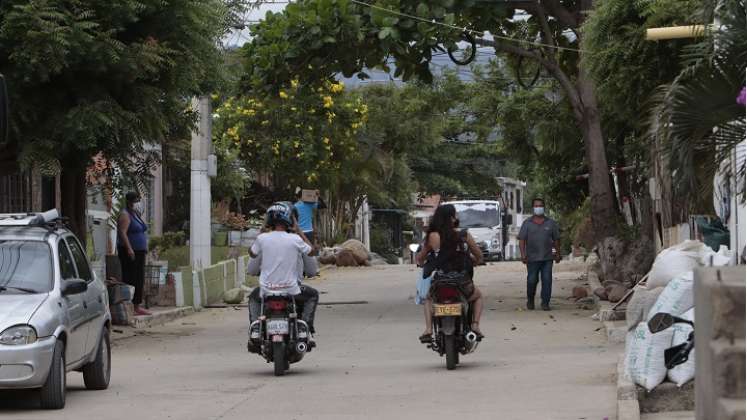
85, 305
100, 299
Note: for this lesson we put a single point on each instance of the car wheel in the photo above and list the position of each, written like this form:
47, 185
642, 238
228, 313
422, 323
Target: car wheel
52, 393
97, 373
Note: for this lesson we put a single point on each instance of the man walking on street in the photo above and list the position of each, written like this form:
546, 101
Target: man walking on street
539, 242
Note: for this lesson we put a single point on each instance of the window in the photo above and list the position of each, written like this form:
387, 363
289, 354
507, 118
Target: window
67, 266
26, 264
84, 271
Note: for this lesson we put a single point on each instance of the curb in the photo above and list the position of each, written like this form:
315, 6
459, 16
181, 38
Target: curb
161, 317
628, 407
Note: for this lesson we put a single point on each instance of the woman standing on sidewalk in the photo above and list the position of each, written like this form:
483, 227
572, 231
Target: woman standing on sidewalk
132, 245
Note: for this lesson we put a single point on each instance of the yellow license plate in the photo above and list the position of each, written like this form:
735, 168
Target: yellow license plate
454, 309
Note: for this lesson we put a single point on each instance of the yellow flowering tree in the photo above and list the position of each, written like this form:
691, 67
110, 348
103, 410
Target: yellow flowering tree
299, 135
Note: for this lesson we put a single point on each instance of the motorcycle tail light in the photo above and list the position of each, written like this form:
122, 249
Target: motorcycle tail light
277, 305
446, 293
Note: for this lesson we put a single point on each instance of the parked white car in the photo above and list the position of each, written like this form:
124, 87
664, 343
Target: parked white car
54, 312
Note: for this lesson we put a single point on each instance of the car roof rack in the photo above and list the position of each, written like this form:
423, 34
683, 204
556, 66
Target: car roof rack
50, 220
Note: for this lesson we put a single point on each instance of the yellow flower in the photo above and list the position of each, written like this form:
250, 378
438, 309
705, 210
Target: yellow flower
326, 140
337, 87
328, 102
294, 83
283, 95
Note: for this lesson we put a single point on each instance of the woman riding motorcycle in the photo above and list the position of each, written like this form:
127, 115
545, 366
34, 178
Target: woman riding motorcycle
447, 249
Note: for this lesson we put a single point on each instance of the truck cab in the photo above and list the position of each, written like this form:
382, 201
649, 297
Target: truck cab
484, 221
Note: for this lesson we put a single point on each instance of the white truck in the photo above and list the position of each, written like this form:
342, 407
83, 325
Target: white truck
485, 221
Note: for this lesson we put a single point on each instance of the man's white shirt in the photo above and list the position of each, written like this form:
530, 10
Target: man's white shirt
282, 261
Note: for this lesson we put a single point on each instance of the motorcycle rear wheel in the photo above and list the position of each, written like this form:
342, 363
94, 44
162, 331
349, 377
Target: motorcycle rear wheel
452, 357
278, 357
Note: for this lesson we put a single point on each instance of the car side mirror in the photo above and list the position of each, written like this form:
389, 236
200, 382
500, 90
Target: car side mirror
74, 287
3, 110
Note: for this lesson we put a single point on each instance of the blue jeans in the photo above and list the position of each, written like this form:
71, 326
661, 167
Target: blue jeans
535, 269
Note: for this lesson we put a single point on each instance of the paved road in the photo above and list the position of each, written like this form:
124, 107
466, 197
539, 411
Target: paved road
369, 364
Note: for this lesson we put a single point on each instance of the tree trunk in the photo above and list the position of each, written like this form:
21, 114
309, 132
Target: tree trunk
602, 204
74, 199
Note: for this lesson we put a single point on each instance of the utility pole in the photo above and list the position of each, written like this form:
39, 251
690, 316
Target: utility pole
199, 215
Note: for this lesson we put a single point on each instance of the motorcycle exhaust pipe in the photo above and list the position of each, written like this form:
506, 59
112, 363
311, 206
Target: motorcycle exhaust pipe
301, 347
471, 337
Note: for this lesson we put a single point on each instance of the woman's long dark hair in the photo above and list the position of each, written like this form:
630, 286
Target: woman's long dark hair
443, 224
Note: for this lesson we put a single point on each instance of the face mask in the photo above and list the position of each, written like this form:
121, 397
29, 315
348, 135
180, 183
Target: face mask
539, 211
139, 207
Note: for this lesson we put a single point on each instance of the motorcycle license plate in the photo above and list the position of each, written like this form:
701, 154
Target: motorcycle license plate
454, 309
277, 326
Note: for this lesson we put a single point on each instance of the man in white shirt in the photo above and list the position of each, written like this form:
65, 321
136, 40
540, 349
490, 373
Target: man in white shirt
281, 254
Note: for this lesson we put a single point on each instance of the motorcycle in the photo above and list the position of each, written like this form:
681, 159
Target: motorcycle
451, 319
279, 335
680, 353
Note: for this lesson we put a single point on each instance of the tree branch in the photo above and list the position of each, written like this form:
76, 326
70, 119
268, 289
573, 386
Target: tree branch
555, 9
551, 66
547, 34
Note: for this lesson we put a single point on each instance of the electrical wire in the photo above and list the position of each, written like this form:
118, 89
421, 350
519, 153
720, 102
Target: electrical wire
464, 29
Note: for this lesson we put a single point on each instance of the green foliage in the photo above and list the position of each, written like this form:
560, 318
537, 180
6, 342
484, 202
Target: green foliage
87, 76
302, 137
697, 117
167, 241
233, 178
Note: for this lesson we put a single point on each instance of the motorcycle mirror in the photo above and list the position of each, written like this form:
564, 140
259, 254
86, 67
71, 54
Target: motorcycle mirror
414, 247
660, 322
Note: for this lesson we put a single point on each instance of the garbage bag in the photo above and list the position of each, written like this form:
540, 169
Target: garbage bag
714, 233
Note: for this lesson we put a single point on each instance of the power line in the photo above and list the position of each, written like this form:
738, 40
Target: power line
471, 31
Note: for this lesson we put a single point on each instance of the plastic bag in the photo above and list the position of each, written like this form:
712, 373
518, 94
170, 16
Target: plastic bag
645, 356
684, 373
423, 286
677, 298
709, 258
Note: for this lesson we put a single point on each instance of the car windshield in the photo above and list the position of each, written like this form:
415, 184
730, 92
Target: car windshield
25, 267
473, 215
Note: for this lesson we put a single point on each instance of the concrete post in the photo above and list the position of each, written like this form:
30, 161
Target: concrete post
720, 343
199, 216
366, 226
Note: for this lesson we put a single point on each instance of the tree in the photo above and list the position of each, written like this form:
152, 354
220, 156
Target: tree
627, 69
697, 115
88, 77
316, 39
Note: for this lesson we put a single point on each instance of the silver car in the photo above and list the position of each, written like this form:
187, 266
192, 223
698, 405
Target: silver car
54, 312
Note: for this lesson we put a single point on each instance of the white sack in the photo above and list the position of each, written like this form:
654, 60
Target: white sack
674, 261
677, 298
685, 372
645, 356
